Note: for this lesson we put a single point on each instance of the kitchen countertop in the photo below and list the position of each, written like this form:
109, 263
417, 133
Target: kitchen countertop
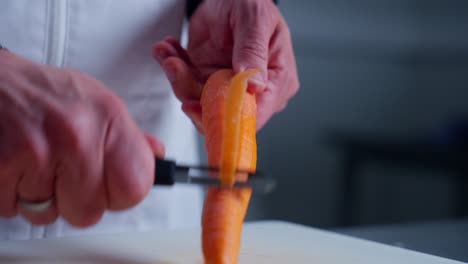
444, 238
263, 242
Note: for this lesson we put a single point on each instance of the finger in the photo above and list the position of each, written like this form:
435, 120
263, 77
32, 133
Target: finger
80, 190
252, 29
265, 107
157, 146
181, 52
178, 68
170, 47
8, 181
40, 218
80, 196
275, 98
11, 165
282, 74
129, 164
282, 62
193, 110
37, 181
163, 50
182, 80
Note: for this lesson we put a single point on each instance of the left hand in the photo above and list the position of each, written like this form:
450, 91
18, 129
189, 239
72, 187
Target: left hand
237, 34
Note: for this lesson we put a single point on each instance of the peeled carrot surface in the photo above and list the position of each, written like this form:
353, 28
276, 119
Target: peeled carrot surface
228, 117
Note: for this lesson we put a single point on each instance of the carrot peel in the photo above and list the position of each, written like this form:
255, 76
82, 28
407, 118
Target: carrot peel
232, 126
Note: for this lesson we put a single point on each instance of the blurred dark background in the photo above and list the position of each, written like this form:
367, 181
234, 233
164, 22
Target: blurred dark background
378, 131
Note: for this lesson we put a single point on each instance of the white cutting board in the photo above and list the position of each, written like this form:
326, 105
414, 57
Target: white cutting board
263, 242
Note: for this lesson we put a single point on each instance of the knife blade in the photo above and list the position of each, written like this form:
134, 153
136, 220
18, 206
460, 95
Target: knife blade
170, 173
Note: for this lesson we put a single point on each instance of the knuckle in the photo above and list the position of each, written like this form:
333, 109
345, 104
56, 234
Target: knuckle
129, 185
110, 106
254, 51
28, 144
259, 13
85, 127
134, 192
75, 127
255, 7
76, 78
39, 151
252, 4
99, 99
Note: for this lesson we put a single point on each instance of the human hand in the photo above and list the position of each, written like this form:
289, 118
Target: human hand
237, 34
64, 135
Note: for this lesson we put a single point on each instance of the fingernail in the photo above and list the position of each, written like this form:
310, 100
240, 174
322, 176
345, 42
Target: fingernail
256, 86
258, 79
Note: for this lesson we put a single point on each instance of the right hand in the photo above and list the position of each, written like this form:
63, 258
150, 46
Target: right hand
64, 135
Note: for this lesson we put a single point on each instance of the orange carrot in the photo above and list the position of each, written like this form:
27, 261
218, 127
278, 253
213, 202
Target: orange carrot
228, 117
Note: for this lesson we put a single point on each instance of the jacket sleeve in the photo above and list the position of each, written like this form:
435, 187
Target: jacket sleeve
193, 4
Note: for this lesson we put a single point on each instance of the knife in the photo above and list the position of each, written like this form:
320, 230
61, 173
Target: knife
170, 173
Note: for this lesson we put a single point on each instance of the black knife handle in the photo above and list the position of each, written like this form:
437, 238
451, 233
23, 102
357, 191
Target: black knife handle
164, 172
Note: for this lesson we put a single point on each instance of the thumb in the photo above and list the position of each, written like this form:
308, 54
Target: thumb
250, 50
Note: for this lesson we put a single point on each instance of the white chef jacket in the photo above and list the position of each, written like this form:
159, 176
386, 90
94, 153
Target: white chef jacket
112, 41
